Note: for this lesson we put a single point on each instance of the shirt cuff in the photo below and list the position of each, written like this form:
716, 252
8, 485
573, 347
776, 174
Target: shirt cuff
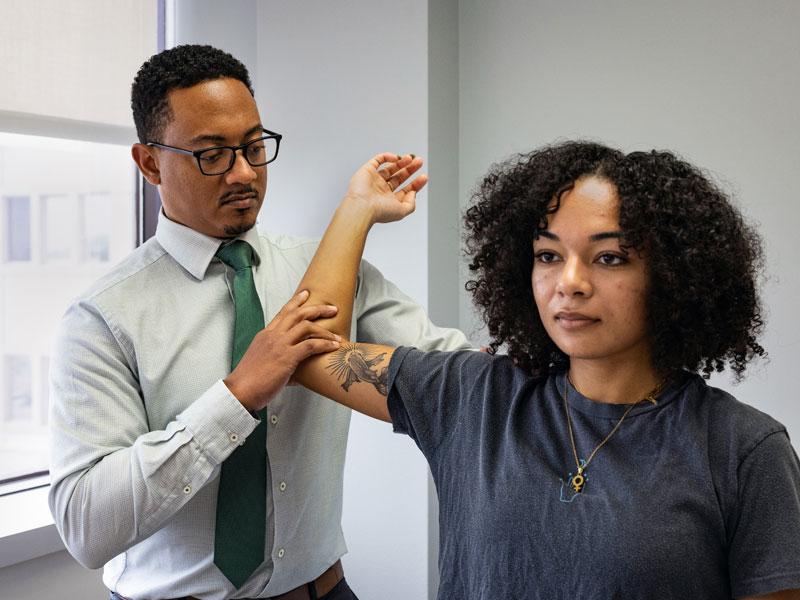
218, 422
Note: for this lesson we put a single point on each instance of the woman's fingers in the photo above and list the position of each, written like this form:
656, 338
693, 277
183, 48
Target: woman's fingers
401, 174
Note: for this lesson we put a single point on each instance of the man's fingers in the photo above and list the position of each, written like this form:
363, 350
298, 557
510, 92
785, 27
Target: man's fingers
294, 302
307, 313
307, 329
314, 346
314, 312
295, 310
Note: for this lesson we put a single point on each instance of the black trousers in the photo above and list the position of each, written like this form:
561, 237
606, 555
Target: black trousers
341, 591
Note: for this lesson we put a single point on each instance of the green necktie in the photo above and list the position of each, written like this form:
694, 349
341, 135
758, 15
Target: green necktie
242, 496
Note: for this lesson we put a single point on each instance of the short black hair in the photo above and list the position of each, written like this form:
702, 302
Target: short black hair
703, 259
178, 67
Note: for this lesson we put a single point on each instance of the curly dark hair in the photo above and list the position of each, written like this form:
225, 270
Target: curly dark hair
178, 67
703, 260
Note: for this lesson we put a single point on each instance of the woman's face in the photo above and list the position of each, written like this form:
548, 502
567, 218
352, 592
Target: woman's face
589, 292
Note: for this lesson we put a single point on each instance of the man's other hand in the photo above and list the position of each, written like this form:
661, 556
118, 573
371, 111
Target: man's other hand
273, 355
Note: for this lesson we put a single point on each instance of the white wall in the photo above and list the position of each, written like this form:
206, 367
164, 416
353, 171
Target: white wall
716, 81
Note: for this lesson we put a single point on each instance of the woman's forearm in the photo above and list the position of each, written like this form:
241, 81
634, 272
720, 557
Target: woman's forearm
355, 374
331, 276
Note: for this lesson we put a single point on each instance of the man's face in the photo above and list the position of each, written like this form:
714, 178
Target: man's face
220, 112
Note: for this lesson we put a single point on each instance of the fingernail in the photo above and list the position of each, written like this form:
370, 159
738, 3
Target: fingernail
332, 306
337, 337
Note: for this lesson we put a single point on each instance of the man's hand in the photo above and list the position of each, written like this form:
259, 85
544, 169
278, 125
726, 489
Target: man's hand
377, 186
273, 355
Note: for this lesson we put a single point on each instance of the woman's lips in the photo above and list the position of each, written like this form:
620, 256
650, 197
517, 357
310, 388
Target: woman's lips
573, 321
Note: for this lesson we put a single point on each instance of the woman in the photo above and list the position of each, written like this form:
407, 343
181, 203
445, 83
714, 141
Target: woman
592, 461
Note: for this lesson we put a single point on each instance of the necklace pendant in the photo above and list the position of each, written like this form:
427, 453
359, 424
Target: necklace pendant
577, 482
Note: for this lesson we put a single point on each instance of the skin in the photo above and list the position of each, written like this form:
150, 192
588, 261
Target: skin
211, 113
222, 112
590, 293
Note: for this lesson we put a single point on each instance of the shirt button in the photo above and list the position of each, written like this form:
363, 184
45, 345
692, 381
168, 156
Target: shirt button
281, 552
234, 437
273, 419
187, 489
282, 486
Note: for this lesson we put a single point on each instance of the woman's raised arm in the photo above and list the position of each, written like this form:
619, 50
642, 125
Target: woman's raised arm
355, 374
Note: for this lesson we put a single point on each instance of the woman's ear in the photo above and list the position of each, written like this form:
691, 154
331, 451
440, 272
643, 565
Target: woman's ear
145, 159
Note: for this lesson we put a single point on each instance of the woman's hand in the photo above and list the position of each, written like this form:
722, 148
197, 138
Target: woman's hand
378, 186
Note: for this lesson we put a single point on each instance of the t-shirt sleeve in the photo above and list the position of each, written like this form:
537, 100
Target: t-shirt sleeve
432, 394
764, 551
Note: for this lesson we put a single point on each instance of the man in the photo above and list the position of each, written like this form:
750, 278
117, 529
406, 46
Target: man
145, 418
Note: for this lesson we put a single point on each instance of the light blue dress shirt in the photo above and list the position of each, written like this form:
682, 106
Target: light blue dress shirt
141, 420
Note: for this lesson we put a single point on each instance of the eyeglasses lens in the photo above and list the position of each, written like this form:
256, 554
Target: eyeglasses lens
216, 161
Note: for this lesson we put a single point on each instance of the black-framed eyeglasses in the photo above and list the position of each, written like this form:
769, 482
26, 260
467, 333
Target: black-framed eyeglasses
218, 160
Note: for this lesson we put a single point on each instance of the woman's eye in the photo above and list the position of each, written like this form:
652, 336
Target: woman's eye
611, 260
545, 257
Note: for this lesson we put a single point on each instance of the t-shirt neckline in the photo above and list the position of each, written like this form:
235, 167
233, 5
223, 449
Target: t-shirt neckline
583, 404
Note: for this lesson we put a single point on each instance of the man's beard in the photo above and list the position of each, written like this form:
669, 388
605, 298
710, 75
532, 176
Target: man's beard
234, 230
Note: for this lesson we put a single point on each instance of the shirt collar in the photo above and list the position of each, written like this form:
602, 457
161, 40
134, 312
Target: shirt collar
193, 250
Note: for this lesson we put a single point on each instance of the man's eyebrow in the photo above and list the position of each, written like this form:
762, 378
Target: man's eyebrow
596, 237
220, 139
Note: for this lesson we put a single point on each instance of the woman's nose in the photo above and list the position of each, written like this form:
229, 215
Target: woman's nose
574, 279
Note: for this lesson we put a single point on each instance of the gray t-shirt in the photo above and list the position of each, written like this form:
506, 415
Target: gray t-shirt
697, 496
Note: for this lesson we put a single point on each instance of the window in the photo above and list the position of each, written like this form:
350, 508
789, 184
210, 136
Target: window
58, 221
18, 407
68, 215
97, 211
17, 228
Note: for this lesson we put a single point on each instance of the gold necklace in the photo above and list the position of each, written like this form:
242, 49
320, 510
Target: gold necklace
577, 481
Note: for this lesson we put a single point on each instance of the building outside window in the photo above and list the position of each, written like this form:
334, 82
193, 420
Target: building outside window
61, 232
17, 228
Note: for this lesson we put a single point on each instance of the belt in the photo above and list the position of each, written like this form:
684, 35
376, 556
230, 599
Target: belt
308, 591
317, 588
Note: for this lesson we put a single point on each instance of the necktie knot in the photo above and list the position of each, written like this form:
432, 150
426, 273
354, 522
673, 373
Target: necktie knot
237, 255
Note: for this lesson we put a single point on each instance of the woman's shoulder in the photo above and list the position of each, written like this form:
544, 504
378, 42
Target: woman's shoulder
732, 421
472, 368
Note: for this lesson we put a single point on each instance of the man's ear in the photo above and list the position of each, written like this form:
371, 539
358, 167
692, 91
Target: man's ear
145, 159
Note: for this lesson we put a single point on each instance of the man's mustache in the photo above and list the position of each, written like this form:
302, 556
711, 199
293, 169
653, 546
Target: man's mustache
237, 194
